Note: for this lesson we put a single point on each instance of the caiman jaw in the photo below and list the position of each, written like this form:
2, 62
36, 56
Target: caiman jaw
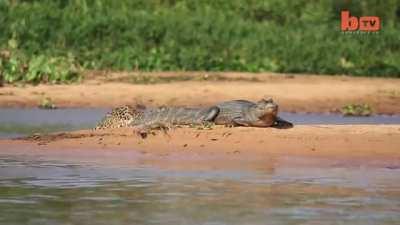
269, 114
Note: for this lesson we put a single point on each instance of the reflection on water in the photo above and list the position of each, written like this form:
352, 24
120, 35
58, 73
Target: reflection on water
36, 190
16, 122
20, 122
318, 118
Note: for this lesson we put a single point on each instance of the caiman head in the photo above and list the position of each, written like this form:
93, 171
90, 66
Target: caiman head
266, 110
119, 117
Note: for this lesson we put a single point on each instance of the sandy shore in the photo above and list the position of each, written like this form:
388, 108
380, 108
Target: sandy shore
305, 93
373, 145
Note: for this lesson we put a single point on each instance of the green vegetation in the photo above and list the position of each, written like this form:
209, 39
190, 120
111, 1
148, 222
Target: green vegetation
48, 40
47, 103
155, 79
390, 93
16, 66
357, 110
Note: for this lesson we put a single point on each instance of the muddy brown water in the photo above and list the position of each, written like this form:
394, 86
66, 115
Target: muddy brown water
115, 187
102, 187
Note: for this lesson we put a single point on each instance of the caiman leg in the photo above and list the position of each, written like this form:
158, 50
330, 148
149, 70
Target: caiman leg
144, 130
211, 114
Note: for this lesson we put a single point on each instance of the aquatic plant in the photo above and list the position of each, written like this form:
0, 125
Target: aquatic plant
357, 110
47, 103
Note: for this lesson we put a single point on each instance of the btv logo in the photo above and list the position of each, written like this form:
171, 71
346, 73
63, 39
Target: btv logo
365, 23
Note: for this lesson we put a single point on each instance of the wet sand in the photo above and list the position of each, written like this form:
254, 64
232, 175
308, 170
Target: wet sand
222, 147
294, 93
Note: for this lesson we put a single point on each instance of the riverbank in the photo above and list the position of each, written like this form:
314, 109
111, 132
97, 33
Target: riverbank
373, 145
294, 93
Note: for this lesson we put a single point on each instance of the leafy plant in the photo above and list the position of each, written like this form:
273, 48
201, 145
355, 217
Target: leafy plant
15, 67
47, 103
357, 110
49, 38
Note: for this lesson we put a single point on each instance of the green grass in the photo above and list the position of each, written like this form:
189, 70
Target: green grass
156, 79
212, 35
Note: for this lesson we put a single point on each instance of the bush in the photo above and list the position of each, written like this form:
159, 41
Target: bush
216, 35
15, 67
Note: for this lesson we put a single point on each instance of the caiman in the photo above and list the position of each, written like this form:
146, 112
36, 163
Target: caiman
144, 119
263, 113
